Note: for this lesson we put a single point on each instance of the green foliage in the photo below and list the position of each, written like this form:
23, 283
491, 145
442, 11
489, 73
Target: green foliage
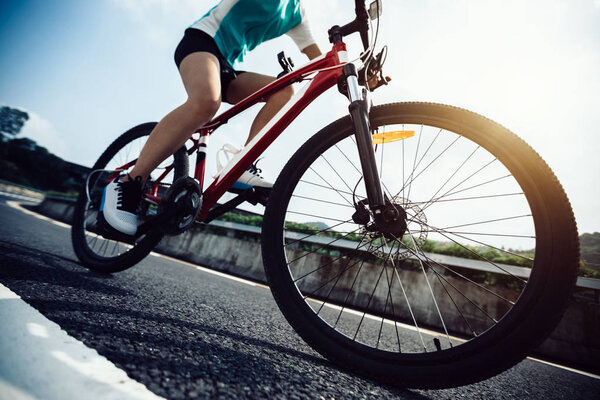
252, 220
590, 252
481, 253
11, 121
23, 162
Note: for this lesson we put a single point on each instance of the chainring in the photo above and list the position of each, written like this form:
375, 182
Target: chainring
181, 205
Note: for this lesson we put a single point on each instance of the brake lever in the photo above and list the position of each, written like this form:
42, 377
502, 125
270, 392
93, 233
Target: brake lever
286, 63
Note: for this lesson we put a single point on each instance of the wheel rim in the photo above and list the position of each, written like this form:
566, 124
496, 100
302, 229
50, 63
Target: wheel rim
337, 266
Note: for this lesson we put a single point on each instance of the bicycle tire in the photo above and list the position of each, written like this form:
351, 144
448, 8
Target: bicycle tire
537, 308
85, 241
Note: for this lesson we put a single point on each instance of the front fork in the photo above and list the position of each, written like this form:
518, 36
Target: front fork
359, 111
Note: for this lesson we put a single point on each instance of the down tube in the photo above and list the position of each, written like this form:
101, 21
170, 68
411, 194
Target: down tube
323, 81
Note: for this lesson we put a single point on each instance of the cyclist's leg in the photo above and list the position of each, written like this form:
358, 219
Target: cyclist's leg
200, 73
249, 82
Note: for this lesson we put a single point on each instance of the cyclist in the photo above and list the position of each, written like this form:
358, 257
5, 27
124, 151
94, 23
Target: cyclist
207, 58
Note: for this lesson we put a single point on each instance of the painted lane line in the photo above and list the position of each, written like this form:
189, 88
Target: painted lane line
20, 196
41, 361
207, 270
577, 371
250, 283
19, 207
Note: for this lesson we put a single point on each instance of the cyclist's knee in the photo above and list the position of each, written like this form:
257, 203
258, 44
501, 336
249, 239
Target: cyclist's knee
203, 109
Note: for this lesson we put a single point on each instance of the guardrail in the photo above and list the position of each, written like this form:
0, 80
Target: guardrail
483, 266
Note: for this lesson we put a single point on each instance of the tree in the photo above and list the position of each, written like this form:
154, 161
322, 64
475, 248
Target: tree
11, 121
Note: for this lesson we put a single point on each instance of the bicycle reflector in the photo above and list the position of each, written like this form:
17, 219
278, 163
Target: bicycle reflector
394, 136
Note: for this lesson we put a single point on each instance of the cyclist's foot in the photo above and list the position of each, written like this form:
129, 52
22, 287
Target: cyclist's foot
250, 178
119, 204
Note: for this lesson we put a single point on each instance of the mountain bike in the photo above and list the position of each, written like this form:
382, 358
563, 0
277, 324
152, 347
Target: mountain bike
418, 244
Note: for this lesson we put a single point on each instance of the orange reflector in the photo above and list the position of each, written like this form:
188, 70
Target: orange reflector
387, 137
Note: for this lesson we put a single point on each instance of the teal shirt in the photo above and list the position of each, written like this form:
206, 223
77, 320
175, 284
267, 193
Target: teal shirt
238, 26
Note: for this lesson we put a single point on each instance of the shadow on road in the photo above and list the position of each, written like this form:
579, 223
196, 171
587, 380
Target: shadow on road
175, 352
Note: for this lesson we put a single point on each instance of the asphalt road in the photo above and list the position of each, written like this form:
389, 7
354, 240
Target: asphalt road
187, 333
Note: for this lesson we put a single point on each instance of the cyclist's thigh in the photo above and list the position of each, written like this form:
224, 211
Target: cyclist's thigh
201, 75
245, 84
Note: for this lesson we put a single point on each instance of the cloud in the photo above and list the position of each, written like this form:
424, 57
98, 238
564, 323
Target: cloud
157, 19
45, 134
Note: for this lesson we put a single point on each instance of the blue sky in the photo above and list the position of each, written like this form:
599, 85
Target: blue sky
88, 70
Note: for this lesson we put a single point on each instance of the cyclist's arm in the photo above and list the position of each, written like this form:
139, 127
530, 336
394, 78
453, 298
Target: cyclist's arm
312, 51
302, 36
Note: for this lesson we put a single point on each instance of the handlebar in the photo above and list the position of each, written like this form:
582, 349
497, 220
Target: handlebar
360, 25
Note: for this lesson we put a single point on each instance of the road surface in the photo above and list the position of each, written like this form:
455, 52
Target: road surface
185, 332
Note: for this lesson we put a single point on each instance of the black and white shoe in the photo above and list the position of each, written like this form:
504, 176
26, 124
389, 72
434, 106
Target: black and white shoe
119, 204
249, 179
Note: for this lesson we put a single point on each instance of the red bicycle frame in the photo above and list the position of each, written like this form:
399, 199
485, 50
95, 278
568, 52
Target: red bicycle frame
326, 69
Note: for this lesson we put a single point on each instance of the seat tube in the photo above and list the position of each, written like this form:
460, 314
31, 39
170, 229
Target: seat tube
360, 117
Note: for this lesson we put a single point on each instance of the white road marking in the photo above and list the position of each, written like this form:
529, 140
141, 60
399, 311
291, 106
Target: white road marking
203, 269
234, 278
41, 361
19, 196
18, 206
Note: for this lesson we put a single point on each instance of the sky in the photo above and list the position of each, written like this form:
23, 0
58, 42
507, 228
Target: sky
86, 71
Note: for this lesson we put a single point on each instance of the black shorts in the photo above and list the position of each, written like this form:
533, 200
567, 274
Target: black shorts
195, 40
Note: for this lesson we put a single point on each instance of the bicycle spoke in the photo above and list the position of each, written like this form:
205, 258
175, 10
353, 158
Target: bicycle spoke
408, 304
316, 216
458, 290
329, 281
414, 161
454, 173
434, 160
431, 291
325, 187
327, 183
492, 234
322, 201
335, 171
485, 222
447, 268
317, 232
322, 266
351, 163
391, 299
404, 183
479, 255
491, 196
369, 303
471, 187
334, 285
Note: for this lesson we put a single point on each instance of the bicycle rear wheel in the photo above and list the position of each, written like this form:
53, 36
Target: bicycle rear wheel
480, 277
112, 255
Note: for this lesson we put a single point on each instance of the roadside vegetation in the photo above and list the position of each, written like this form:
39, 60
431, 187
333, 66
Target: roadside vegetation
590, 245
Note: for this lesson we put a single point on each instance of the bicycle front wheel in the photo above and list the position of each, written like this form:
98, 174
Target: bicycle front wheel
480, 276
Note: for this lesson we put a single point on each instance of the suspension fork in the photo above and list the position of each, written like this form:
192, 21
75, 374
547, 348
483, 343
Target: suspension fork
359, 111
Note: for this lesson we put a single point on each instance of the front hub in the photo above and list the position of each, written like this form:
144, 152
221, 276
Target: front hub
391, 221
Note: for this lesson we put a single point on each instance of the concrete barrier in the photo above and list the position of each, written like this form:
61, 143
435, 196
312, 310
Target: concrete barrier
236, 250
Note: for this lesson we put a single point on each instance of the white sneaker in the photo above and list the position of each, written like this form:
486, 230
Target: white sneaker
119, 204
250, 178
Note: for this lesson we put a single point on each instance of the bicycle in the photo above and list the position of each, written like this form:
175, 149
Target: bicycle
347, 235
